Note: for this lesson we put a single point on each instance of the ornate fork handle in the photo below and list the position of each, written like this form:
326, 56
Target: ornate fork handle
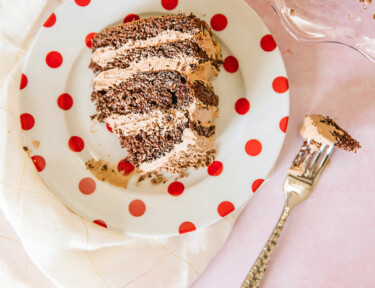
256, 273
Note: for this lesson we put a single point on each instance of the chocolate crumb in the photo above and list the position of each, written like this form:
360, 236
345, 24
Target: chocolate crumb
92, 127
159, 178
36, 143
292, 12
141, 178
25, 148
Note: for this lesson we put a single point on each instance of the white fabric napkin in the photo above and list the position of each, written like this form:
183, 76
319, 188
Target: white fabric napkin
69, 250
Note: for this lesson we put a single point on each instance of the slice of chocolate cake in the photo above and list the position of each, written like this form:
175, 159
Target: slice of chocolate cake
151, 87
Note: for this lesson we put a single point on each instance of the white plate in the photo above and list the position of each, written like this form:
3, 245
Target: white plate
147, 209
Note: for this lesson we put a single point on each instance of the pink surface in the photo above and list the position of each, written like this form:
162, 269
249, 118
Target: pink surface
328, 240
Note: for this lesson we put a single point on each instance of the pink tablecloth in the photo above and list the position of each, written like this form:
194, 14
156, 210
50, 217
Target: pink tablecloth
328, 240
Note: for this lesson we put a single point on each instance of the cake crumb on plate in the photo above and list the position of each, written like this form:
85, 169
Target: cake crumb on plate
36, 143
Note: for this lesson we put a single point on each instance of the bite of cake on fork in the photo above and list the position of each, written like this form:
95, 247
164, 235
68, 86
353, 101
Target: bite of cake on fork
322, 135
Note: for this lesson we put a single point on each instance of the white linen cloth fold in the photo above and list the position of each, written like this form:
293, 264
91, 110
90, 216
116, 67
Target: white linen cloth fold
69, 250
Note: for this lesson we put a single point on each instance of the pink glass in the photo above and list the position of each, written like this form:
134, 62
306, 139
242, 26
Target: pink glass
345, 22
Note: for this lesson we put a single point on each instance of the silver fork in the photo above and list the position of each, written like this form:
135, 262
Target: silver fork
300, 182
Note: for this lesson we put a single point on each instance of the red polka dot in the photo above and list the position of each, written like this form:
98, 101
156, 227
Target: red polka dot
27, 121
176, 188
267, 43
125, 166
23, 82
186, 227
54, 59
253, 147
89, 38
225, 208
87, 186
219, 22
39, 162
82, 2
215, 169
169, 4
280, 84
130, 18
284, 124
109, 128
76, 144
50, 21
65, 101
137, 208
256, 184
242, 106
100, 223
231, 64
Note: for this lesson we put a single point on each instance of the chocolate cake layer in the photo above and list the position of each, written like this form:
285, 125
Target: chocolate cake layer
145, 28
201, 130
145, 147
169, 50
205, 93
164, 90
193, 151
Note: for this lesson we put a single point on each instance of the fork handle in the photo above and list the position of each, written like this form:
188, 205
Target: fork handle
256, 273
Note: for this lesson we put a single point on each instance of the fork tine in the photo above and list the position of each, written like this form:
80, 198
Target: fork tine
302, 159
308, 163
306, 156
323, 163
314, 161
